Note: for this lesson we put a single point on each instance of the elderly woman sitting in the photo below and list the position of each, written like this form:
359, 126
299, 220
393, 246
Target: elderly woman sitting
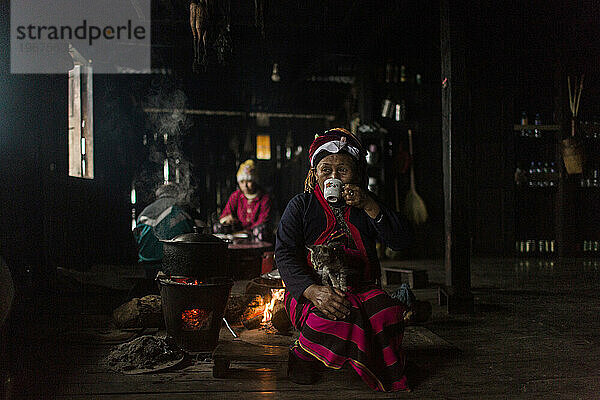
362, 326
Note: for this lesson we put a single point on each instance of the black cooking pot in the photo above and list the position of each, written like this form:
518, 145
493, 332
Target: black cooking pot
197, 255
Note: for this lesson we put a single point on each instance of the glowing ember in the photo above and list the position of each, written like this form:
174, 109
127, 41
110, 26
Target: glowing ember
276, 295
187, 281
195, 319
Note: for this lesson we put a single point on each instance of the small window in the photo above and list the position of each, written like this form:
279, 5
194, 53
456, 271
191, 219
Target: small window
81, 120
263, 147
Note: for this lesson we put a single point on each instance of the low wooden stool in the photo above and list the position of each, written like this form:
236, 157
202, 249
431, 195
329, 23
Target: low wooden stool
226, 352
416, 278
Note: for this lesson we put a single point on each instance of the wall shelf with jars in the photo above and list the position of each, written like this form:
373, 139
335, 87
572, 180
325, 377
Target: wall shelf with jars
536, 177
556, 210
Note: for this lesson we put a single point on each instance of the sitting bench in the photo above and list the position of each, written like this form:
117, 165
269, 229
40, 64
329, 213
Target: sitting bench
395, 274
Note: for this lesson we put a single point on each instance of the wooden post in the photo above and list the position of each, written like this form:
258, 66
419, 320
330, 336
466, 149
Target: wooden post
457, 155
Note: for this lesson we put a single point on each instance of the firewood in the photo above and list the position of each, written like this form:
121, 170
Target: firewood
253, 314
280, 319
236, 306
252, 323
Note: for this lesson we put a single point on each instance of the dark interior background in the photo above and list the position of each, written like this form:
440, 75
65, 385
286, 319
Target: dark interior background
518, 57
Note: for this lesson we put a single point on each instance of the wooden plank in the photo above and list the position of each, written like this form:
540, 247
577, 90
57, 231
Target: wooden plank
242, 380
300, 393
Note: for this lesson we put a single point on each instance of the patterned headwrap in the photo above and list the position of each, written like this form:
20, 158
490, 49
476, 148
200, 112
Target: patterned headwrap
333, 141
247, 171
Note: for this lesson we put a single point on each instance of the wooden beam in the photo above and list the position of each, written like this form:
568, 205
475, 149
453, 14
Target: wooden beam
224, 113
456, 162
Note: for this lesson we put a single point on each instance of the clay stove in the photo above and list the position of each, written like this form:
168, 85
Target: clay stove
193, 310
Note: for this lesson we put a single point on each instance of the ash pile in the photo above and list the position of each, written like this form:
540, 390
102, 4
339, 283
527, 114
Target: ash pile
144, 353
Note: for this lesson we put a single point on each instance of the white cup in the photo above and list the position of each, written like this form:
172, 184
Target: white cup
332, 190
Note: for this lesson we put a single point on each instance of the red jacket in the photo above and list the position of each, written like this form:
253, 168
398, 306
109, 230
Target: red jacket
249, 213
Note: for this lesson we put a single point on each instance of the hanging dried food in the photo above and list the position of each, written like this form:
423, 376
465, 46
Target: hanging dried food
199, 25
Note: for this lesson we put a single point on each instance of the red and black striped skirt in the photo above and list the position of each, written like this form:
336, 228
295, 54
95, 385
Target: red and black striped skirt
369, 339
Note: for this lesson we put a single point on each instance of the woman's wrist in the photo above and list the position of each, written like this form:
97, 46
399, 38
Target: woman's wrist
308, 292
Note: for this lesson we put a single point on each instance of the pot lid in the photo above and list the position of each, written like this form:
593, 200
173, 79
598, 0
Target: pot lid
194, 237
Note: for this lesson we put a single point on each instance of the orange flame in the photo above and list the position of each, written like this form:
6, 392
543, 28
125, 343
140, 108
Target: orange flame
276, 294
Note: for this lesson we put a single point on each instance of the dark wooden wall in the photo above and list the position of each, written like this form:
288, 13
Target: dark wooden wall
49, 219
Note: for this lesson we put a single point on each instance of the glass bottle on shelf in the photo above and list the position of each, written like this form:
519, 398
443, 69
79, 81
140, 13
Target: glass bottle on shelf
532, 175
524, 121
538, 121
553, 174
546, 174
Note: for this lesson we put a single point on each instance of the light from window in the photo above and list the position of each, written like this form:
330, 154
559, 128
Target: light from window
166, 170
263, 147
81, 139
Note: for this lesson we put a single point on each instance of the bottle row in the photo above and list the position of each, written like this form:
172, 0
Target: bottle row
585, 129
545, 265
534, 133
591, 246
394, 73
548, 246
539, 174
531, 266
535, 246
525, 119
590, 129
590, 179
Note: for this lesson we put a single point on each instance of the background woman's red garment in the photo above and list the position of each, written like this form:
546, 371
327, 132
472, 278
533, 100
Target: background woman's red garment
250, 213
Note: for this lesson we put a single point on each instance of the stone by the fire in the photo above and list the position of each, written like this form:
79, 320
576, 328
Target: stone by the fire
142, 312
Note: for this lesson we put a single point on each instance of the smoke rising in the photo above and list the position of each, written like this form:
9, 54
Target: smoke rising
167, 130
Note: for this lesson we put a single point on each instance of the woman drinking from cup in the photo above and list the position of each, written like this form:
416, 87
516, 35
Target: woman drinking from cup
361, 326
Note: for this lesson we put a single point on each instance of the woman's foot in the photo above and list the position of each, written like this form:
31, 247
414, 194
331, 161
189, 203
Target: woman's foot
301, 371
417, 313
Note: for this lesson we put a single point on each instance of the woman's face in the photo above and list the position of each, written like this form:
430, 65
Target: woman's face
339, 166
247, 187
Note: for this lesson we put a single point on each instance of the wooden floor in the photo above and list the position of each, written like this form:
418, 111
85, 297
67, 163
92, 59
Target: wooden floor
534, 335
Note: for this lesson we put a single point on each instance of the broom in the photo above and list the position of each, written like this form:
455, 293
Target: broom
414, 207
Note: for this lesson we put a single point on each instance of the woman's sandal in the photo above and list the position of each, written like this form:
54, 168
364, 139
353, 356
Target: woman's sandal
301, 371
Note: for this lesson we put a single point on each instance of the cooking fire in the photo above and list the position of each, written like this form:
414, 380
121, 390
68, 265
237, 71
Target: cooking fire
196, 319
276, 295
263, 309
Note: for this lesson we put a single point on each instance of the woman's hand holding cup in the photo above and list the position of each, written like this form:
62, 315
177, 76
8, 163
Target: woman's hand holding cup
356, 196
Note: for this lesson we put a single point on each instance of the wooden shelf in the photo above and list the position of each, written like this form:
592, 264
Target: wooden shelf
538, 127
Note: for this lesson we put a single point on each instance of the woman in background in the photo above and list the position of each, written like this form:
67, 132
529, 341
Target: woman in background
249, 207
